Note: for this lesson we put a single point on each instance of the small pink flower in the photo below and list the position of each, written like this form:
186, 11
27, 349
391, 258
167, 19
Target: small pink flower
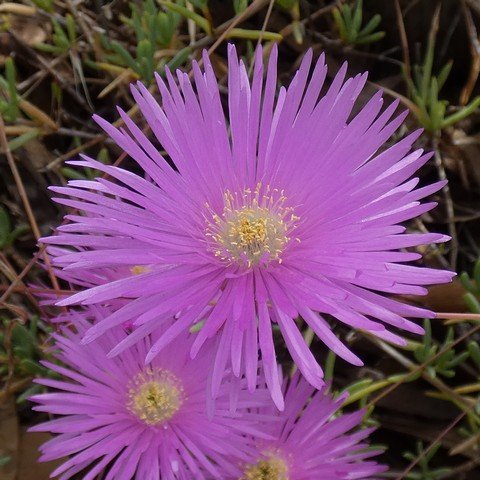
143, 422
312, 440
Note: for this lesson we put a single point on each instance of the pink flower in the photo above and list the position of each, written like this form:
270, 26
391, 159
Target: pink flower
143, 422
291, 208
312, 440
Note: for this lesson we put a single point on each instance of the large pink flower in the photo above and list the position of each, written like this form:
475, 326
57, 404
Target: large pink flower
288, 209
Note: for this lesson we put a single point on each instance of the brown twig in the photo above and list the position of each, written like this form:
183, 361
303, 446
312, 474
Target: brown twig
403, 40
432, 445
474, 5
12, 275
288, 30
225, 28
18, 279
462, 468
475, 52
265, 21
452, 229
457, 316
66, 85
23, 195
264, 27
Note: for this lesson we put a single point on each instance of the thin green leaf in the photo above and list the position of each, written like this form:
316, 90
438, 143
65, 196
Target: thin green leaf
59, 37
366, 390
240, 6
10, 76
330, 365
372, 25
125, 55
338, 19
357, 16
427, 70
29, 392
5, 228
72, 174
472, 302
23, 139
202, 22
347, 17
180, 58
474, 351
374, 37
254, 35
285, 4
461, 114
476, 275
466, 282
444, 73
71, 29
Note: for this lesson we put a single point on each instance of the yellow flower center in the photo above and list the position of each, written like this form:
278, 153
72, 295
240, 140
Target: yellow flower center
155, 396
254, 228
272, 468
139, 269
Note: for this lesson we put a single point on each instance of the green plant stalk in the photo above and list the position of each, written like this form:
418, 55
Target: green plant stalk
455, 398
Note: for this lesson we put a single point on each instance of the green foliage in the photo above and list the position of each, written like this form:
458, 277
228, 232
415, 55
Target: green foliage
240, 6
201, 4
24, 341
153, 25
446, 363
472, 285
153, 29
202, 22
7, 234
287, 4
360, 391
330, 365
8, 90
20, 344
253, 34
348, 20
10, 107
63, 39
21, 140
474, 351
424, 90
46, 5
424, 471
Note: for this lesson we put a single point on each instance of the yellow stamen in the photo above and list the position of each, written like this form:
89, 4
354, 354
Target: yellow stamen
272, 468
155, 396
138, 269
254, 228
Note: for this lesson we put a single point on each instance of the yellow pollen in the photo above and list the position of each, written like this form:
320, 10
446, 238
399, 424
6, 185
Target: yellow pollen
254, 227
272, 468
154, 396
138, 269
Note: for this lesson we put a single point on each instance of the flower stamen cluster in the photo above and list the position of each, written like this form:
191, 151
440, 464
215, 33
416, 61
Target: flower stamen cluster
155, 396
270, 468
254, 227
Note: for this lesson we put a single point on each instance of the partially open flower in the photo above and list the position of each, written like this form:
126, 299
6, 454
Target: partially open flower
312, 440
